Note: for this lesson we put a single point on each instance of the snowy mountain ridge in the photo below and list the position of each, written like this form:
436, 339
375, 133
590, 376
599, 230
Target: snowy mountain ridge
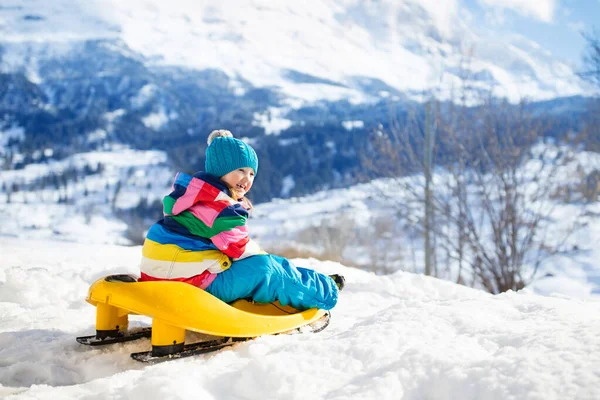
83, 76
321, 50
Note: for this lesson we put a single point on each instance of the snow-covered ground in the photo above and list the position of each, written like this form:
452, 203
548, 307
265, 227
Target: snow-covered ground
122, 178
401, 336
354, 225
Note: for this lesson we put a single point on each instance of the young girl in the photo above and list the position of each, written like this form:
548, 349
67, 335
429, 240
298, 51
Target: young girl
203, 239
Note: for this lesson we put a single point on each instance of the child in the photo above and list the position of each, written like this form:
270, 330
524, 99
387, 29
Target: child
203, 239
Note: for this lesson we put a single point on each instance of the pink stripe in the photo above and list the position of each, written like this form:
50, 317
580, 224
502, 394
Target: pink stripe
207, 281
204, 214
224, 239
187, 200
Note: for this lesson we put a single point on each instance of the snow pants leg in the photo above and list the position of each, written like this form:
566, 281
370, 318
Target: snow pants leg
266, 278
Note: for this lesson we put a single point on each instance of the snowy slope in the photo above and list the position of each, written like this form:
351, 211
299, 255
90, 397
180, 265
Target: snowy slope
118, 178
362, 226
402, 336
338, 46
352, 225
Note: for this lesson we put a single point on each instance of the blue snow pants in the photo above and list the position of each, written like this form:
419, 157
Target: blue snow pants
266, 278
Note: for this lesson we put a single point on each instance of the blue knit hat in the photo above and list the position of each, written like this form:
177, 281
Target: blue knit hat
226, 153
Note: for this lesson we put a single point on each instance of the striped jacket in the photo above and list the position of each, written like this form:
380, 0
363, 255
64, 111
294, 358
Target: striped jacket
202, 231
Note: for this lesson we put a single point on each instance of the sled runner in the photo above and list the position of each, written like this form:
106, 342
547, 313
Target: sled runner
177, 307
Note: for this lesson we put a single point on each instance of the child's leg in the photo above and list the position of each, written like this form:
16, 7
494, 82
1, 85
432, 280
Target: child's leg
266, 278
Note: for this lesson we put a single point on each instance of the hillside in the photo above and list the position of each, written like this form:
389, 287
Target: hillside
306, 86
402, 336
116, 195
281, 45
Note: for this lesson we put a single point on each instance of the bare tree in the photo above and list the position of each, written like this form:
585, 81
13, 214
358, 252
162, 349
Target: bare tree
591, 59
590, 136
490, 192
500, 188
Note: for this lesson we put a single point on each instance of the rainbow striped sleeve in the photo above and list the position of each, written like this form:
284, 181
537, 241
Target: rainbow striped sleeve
201, 209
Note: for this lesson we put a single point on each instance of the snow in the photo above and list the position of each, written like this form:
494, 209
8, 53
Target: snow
117, 158
158, 119
410, 45
401, 336
272, 120
349, 125
12, 133
127, 177
541, 9
396, 336
359, 225
287, 185
95, 136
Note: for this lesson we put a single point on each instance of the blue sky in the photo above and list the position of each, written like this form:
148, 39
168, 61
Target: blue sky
555, 24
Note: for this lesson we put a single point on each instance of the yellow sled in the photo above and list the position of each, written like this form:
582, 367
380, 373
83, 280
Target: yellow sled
177, 307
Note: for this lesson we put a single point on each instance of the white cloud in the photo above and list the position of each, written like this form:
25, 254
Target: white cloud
540, 9
442, 12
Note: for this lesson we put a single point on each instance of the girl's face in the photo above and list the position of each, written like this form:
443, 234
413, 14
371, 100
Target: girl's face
240, 180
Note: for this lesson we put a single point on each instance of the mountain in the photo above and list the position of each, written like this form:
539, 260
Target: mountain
326, 50
306, 86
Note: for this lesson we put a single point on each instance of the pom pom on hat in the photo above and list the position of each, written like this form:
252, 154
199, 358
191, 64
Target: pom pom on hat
226, 153
218, 133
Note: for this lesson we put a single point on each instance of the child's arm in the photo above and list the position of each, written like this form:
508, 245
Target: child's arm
210, 213
236, 243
